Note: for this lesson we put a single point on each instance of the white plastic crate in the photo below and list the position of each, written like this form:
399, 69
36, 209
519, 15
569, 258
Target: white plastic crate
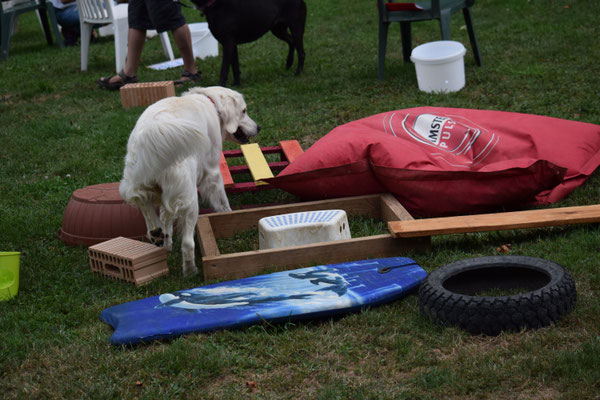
300, 228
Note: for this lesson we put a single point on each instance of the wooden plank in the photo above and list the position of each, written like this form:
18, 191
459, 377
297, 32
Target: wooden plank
392, 210
244, 169
259, 168
291, 149
240, 265
238, 152
495, 222
206, 237
227, 179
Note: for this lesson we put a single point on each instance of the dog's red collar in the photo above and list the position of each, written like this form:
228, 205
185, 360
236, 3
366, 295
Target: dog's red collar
211, 100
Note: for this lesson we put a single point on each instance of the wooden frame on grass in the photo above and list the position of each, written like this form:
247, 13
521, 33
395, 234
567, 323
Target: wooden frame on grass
384, 207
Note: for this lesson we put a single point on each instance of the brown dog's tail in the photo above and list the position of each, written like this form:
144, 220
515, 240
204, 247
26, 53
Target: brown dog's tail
302, 16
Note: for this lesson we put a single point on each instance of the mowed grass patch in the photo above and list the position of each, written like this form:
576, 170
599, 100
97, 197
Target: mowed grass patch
59, 132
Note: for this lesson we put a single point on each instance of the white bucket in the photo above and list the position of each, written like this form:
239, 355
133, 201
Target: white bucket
440, 66
203, 42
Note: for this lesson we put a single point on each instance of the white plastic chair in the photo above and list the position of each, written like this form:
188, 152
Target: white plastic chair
101, 12
9, 13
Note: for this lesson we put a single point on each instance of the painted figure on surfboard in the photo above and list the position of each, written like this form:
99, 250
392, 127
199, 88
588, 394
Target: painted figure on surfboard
235, 296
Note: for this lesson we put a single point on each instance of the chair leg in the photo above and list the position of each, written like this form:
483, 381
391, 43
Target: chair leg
6, 27
166, 44
53, 24
121, 28
406, 40
86, 36
383, 32
45, 26
445, 16
472, 37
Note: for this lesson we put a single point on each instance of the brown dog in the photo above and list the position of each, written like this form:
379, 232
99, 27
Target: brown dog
234, 22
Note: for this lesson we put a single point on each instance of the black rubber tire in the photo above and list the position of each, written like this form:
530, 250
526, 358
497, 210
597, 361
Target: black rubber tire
449, 294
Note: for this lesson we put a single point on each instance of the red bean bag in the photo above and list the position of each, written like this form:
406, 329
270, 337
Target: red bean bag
446, 161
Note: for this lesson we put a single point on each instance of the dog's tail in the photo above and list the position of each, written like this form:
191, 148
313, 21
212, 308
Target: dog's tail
167, 142
302, 17
154, 147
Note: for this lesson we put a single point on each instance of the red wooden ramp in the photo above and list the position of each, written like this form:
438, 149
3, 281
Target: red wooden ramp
288, 151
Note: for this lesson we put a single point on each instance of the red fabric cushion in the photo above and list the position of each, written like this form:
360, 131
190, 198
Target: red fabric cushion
402, 7
445, 161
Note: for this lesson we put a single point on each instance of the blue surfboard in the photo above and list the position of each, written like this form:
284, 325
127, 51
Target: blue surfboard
306, 293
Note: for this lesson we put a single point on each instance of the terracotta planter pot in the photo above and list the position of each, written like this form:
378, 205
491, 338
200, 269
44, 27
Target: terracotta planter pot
97, 213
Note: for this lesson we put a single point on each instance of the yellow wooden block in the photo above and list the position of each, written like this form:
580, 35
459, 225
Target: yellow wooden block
259, 168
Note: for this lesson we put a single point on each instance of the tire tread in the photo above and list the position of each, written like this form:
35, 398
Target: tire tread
492, 315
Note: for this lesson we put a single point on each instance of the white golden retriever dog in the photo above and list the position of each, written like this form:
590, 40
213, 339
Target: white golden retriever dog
173, 154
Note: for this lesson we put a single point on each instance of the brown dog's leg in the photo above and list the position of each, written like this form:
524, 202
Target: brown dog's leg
297, 30
235, 67
280, 31
228, 50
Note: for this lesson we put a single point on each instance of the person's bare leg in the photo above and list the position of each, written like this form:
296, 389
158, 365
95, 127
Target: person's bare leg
136, 39
183, 40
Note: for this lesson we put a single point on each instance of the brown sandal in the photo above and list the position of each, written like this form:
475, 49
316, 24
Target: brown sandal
188, 77
105, 82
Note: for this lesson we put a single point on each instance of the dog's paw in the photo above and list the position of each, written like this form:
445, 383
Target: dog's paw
168, 245
189, 270
157, 237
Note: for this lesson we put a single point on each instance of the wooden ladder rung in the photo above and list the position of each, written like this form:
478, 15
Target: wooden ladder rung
227, 179
291, 149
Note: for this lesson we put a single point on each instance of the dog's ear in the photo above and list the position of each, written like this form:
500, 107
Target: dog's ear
229, 113
227, 103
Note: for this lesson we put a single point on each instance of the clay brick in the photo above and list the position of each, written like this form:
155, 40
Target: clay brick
127, 259
145, 93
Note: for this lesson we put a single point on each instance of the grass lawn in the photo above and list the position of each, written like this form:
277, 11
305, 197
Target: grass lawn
59, 132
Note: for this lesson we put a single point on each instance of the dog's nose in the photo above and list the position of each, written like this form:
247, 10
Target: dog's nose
257, 129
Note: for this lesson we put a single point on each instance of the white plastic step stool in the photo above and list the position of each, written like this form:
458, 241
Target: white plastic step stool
300, 228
